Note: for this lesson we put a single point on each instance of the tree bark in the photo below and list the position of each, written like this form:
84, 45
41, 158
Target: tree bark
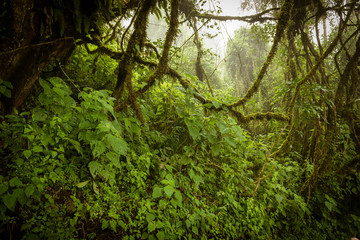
26, 48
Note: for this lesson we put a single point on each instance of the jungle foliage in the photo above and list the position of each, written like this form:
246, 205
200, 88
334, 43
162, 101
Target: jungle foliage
106, 135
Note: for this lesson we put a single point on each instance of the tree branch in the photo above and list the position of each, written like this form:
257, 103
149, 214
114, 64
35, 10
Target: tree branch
250, 19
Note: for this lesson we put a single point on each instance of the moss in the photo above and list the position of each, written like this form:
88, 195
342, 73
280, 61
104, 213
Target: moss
318, 62
280, 28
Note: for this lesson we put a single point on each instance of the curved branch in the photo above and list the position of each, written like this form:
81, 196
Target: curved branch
250, 19
280, 28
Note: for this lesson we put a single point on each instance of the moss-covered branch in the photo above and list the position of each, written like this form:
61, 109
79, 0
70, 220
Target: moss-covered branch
332, 112
236, 114
250, 19
162, 67
137, 39
284, 17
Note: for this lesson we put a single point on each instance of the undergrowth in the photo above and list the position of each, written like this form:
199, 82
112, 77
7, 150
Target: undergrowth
72, 168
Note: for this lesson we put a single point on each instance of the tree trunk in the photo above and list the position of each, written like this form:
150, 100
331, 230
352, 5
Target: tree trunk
26, 48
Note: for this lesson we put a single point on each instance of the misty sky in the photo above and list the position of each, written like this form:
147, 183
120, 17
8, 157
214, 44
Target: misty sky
229, 8
218, 44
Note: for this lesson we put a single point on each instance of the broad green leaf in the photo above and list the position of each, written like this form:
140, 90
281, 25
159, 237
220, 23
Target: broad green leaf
53, 177
195, 230
191, 173
216, 148
3, 187
19, 162
27, 153
82, 184
169, 190
160, 235
222, 127
15, 182
151, 226
159, 224
39, 114
75, 144
230, 141
29, 190
162, 204
188, 223
117, 143
238, 131
114, 158
329, 205
178, 197
150, 217
193, 129
198, 179
113, 225
157, 192
9, 201
105, 224
95, 167
104, 126
20, 195
99, 148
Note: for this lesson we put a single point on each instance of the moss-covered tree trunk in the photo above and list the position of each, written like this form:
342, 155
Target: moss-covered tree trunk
28, 44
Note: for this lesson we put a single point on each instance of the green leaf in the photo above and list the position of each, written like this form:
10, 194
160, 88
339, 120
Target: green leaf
160, 235
178, 197
151, 226
105, 224
95, 167
3, 188
188, 223
114, 158
329, 205
104, 126
157, 192
20, 195
191, 173
169, 190
99, 148
29, 190
195, 230
193, 129
113, 225
150, 217
159, 224
230, 141
27, 153
9, 201
82, 184
39, 114
238, 131
53, 177
198, 179
216, 148
117, 143
222, 127
37, 149
95, 188
15, 182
